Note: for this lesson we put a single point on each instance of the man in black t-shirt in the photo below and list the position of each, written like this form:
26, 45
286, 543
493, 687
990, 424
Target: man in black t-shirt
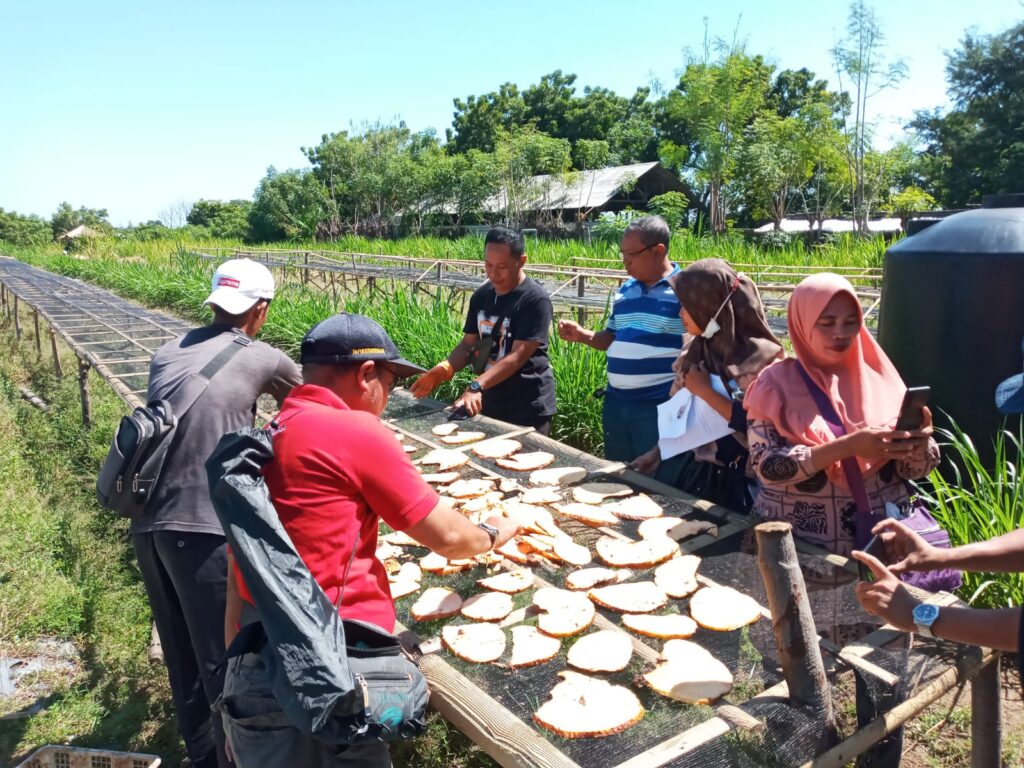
514, 382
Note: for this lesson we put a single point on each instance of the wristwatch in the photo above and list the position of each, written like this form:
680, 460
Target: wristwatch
474, 386
490, 530
925, 615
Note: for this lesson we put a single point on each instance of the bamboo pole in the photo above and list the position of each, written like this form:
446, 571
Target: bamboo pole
795, 633
34, 399
987, 717
83, 389
57, 370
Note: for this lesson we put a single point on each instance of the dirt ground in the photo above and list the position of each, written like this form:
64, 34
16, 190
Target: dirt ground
941, 736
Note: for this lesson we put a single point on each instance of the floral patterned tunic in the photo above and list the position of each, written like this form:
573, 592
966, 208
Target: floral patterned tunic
820, 511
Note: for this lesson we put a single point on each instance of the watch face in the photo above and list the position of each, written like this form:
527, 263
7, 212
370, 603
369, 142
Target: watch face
925, 614
474, 386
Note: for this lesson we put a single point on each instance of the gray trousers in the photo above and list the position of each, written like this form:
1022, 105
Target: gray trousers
261, 736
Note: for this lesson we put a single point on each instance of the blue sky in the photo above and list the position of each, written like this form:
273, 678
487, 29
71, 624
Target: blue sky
136, 107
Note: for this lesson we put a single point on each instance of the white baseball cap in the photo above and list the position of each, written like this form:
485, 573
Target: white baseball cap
238, 284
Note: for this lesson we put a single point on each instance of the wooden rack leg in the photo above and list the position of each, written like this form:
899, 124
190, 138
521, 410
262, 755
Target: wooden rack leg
795, 633
39, 340
3, 298
83, 388
17, 320
987, 717
57, 370
581, 292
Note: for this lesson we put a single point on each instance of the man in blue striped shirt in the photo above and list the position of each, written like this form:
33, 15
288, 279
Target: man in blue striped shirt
643, 338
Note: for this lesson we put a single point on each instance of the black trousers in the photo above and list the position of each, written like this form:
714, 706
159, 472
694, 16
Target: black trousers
185, 575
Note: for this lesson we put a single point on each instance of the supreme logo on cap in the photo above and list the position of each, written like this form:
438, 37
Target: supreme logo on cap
368, 351
224, 280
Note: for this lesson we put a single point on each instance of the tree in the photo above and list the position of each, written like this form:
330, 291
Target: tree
716, 101
288, 205
176, 214
374, 178
549, 104
910, 200
223, 219
781, 154
478, 120
672, 207
18, 229
519, 158
978, 146
859, 58
66, 218
795, 89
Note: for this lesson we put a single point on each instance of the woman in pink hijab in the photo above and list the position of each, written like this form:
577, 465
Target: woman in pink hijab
794, 452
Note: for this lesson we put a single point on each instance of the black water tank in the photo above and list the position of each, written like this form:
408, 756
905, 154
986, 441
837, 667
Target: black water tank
952, 311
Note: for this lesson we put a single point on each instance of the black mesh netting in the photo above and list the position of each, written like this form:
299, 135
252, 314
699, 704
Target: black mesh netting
788, 735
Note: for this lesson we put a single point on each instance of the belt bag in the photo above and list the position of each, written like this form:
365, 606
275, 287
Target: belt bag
917, 518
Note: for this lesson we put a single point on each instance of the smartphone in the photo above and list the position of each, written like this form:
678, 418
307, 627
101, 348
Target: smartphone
912, 410
459, 414
875, 547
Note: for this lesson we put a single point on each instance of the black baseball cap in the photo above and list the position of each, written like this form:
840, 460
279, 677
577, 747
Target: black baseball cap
348, 338
1010, 393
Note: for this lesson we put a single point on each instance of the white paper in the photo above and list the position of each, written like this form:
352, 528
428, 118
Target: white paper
686, 422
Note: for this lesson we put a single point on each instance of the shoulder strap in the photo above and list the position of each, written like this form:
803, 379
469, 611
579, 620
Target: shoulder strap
207, 372
212, 368
344, 579
864, 521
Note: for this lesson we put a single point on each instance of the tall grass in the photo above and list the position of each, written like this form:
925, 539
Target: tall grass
425, 327
842, 251
980, 502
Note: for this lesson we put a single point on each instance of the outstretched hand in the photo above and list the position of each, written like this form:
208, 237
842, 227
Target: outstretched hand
429, 381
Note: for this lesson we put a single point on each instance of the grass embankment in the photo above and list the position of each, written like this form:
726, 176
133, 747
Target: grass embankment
67, 574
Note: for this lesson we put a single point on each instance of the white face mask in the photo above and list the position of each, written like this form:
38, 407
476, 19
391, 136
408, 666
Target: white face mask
713, 327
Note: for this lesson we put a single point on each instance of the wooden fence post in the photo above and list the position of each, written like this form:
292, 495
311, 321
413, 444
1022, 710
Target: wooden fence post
39, 340
581, 292
795, 633
3, 298
83, 389
987, 717
17, 319
57, 370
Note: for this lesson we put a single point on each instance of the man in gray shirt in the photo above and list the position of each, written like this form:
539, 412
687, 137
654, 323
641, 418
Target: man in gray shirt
178, 540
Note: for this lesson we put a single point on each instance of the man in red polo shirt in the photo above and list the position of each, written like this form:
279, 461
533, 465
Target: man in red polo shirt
337, 471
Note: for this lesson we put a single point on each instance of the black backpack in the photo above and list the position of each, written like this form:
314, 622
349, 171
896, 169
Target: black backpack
137, 454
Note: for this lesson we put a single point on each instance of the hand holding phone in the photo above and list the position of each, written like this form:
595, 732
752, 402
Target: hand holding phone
459, 414
912, 410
